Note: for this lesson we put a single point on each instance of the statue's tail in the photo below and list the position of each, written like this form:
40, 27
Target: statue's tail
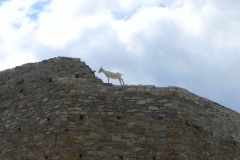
121, 73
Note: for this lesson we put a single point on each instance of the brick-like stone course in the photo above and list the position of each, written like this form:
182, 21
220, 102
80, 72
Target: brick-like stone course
58, 109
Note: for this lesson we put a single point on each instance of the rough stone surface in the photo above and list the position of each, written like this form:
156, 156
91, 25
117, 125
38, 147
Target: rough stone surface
58, 109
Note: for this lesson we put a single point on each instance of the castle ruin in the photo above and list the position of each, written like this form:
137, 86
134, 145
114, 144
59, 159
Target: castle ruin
58, 109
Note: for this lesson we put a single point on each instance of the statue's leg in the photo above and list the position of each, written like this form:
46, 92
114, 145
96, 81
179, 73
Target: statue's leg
120, 81
108, 80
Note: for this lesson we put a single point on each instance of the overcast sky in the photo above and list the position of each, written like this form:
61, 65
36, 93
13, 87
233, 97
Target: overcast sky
185, 43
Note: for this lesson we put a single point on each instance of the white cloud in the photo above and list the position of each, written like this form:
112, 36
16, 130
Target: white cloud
193, 44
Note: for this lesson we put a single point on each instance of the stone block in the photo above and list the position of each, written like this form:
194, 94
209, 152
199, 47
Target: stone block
149, 100
168, 105
153, 108
67, 102
64, 112
77, 108
73, 112
141, 102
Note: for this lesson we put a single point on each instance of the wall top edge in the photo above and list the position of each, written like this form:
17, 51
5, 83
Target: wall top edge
181, 92
26, 65
171, 89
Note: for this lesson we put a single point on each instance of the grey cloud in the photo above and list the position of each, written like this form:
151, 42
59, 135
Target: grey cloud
174, 58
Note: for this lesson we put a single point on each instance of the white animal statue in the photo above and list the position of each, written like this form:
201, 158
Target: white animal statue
113, 75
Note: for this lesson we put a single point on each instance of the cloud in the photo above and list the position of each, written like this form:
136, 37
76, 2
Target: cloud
191, 44
37, 8
3, 1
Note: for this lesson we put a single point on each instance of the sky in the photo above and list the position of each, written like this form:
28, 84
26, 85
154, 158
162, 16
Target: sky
190, 44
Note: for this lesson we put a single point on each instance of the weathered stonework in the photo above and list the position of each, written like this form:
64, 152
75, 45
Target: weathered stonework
58, 109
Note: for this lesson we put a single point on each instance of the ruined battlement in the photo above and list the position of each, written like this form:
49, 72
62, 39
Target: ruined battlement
58, 109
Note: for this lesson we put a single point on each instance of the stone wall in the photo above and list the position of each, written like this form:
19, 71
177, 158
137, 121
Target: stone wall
58, 109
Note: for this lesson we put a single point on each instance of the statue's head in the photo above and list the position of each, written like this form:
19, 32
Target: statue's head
100, 70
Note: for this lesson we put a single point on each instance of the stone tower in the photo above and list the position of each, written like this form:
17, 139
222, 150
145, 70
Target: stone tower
58, 109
